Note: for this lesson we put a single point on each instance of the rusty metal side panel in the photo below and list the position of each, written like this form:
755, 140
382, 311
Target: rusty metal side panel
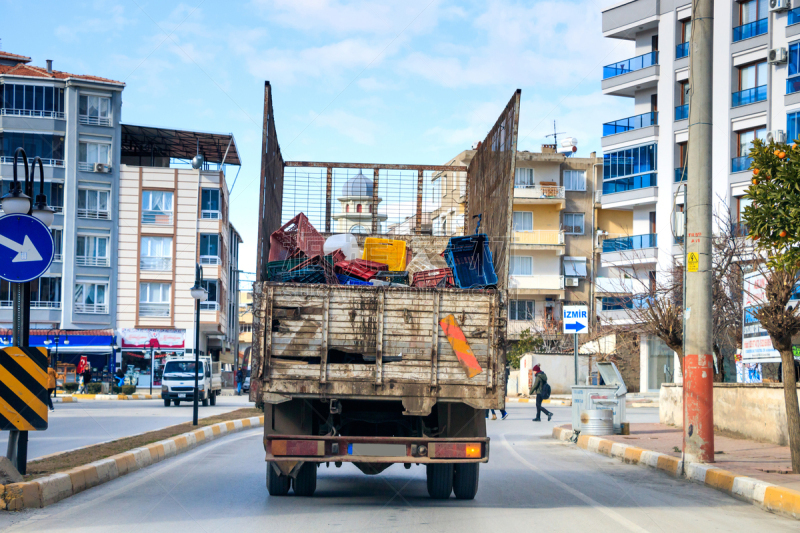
490, 187
270, 201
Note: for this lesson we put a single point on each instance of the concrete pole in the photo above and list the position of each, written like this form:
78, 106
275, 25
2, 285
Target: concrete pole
698, 415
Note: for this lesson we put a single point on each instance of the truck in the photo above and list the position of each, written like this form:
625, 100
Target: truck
369, 375
177, 381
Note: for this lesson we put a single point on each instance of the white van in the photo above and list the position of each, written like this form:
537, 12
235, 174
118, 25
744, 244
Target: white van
177, 382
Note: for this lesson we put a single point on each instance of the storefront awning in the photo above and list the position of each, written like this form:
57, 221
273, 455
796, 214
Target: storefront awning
68, 341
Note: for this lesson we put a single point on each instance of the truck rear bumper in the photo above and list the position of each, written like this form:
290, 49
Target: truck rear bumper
376, 449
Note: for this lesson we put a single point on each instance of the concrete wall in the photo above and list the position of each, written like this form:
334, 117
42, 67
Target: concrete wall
560, 370
752, 411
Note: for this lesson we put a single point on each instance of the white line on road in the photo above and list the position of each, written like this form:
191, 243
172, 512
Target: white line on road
578, 494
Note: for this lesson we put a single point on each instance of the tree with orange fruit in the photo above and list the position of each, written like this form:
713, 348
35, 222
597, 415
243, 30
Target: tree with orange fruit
774, 224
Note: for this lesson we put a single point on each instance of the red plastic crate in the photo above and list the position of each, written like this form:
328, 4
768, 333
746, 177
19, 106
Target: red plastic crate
372, 265
296, 238
432, 278
337, 256
351, 268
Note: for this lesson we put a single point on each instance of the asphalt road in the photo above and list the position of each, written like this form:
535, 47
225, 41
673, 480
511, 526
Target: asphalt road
532, 483
73, 425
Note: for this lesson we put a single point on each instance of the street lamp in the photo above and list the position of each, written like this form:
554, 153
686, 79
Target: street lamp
41, 210
17, 202
199, 294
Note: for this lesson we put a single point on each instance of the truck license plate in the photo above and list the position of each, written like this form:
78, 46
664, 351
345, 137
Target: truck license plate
183, 395
372, 449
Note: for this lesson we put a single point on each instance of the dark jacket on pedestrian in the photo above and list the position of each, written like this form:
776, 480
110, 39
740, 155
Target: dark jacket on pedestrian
541, 379
239, 376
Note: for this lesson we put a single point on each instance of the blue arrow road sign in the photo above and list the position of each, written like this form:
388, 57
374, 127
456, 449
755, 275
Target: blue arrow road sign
26, 248
576, 318
575, 327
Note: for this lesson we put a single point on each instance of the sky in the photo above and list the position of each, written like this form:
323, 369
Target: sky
378, 81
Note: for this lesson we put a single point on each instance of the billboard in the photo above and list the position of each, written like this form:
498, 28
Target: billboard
756, 344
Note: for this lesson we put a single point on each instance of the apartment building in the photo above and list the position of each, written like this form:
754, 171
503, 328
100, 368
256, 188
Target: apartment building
71, 121
171, 218
451, 190
245, 315
757, 95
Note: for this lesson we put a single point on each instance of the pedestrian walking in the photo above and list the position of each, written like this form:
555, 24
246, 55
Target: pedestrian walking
87, 378
542, 391
503, 414
51, 386
239, 381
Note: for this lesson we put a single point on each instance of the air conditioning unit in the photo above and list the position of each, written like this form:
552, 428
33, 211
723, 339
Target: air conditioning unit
777, 55
780, 5
100, 167
776, 136
571, 282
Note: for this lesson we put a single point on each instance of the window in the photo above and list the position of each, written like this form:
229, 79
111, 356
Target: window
94, 110
686, 30
209, 207
156, 253
521, 265
359, 230
49, 147
521, 309
46, 292
91, 251
209, 249
157, 207
92, 203
573, 223
91, 153
444, 184
792, 123
746, 139
523, 221
358, 208
91, 298
574, 180
154, 299
32, 101
678, 224
56, 233
575, 267
523, 177
629, 169
793, 80
212, 302
752, 11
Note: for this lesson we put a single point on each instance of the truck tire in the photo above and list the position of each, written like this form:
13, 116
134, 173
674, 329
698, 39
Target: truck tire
166, 402
306, 481
213, 398
465, 480
205, 402
176, 403
440, 480
277, 484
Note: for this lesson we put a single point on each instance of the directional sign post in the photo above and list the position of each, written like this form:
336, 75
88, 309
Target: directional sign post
26, 248
576, 320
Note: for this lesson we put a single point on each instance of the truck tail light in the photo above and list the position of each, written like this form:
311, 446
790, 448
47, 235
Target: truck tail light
455, 450
473, 450
299, 448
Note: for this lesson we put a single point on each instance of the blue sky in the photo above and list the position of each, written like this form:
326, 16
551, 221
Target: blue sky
412, 81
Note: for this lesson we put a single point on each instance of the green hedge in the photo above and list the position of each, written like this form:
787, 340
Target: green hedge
94, 388
128, 389
70, 387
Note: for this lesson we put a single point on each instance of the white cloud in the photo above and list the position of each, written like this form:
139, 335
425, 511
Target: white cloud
358, 129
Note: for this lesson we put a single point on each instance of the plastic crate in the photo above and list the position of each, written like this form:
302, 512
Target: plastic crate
433, 278
471, 261
393, 277
296, 238
347, 280
312, 274
336, 256
324, 263
388, 251
372, 265
276, 267
352, 269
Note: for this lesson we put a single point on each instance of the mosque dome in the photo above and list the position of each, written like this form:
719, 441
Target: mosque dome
358, 185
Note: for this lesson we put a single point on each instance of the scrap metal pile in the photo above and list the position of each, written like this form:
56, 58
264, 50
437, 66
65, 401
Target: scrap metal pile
298, 253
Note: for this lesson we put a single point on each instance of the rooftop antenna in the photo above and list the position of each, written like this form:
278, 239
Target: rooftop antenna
555, 135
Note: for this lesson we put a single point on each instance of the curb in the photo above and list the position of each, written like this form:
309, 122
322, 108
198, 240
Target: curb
768, 496
544, 402
64, 399
55, 487
106, 397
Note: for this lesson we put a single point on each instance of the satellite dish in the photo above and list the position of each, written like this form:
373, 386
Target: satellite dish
197, 162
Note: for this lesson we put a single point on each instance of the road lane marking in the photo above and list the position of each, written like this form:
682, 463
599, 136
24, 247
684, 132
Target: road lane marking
621, 520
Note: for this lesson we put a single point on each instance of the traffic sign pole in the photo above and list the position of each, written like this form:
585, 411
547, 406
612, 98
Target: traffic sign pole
576, 358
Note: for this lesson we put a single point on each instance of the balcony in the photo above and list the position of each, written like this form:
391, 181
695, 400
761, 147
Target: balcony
539, 239
537, 326
35, 304
540, 195
753, 29
793, 17
624, 78
209, 306
537, 282
95, 309
93, 214
625, 19
793, 85
618, 285
631, 123
749, 96
210, 260
94, 121
158, 218
31, 113
681, 112
626, 192
680, 174
155, 263
153, 309
633, 242
682, 50
741, 164
210, 214
629, 250
91, 261
9, 159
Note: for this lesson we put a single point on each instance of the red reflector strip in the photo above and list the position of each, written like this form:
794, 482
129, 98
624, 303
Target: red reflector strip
456, 450
301, 448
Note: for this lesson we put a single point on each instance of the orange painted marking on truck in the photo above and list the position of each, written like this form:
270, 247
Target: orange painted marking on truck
459, 343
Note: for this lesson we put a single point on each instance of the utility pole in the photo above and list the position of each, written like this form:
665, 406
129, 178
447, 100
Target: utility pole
698, 371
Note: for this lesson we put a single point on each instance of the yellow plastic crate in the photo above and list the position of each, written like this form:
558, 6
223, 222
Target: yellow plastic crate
387, 251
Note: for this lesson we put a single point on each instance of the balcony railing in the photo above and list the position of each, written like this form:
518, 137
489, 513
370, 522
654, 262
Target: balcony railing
159, 218
94, 121
682, 112
96, 309
209, 306
89, 167
680, 174
91, 261
634, 242
682, 50
753, 29
36, 304
749, 96
57, 258
620, 303
155, 263
793, 85
630, 65
741, 164
153, 309
211, 260
631, 123
93, 213
210, 214
538, 191
740, 229
794, 16
630, 184
46, 162
537, 281
539, 237
31, 113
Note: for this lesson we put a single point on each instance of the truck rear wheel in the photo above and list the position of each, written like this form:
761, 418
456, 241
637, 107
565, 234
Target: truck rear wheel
465, 480
166, 402
205, 402
306, 481
440, 480
213, 398
277, 484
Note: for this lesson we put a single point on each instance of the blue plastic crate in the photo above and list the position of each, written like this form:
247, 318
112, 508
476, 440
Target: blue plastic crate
471, 261
347, 280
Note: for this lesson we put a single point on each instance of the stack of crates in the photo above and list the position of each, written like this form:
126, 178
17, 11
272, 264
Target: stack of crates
471, 262
388, 251
296, 238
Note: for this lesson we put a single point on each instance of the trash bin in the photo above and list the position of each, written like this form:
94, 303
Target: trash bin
612, 396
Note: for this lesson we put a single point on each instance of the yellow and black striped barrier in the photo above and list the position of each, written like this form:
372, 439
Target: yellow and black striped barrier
23, 389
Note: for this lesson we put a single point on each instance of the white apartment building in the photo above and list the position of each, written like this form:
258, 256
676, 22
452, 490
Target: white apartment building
757, 92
